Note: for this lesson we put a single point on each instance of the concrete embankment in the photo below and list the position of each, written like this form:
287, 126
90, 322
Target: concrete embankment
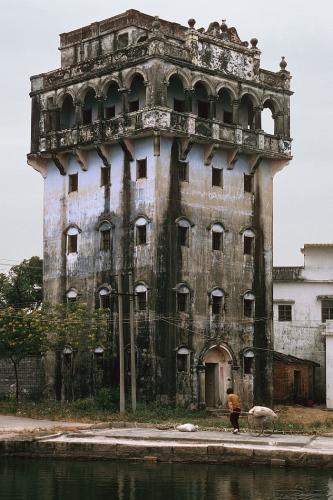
172, 446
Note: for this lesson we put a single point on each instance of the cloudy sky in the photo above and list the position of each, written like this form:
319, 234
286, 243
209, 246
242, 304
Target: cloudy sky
301, 31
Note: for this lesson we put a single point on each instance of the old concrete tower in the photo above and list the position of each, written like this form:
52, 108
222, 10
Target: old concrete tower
155, 159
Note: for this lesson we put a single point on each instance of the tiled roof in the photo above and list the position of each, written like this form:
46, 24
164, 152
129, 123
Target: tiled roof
287, 273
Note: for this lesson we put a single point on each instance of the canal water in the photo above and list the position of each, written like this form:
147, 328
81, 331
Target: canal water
25, 479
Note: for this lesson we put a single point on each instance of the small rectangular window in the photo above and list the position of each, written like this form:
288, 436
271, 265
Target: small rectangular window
122, 41
141, 235
87, 116
183, 171
141, 300
217, 239
105, 240
179, 105
182, 362
248, 366
105, 301
73, 182
248, 308
203, 109
216, 305
110, 112
248, 245
326, 310
182, 302
217, 177
72, 243
133, 106
105, 176
247, 183
285, 312
227, 117
141, 169
183, 233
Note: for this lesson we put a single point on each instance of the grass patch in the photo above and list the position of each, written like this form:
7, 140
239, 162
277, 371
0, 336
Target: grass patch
104, 408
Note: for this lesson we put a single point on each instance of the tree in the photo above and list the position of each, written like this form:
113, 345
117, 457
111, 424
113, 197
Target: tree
75, 330
23, 285
22, 334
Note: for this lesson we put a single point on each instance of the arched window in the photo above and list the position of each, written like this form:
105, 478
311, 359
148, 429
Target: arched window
224, 107
105, 236
113, 104
217, 237
216, 300
246, 112
142, 39
248, 305
141, 292
248, 362
141, 231
176, 94
90, 108
248, 242
137, 95
268, 118
104, 295
72, 239
67, 113
71, 295
183, 298
183, 360
201, 101
183, 232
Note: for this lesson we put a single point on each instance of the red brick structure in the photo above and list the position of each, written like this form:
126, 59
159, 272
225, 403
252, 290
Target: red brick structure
293, 379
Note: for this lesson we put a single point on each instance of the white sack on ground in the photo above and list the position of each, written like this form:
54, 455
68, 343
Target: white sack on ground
187, 428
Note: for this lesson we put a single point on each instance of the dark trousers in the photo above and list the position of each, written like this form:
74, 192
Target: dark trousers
234, 416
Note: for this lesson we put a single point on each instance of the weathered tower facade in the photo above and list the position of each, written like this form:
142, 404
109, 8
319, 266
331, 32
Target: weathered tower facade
150, 142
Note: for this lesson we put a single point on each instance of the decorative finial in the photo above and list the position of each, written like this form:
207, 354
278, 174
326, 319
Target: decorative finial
224, 26
156, 24
191, 22
254, 43
283, 63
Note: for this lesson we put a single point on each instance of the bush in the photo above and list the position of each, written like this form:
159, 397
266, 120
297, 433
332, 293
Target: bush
107, 399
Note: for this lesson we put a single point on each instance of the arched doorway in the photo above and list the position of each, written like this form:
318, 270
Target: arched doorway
218, 376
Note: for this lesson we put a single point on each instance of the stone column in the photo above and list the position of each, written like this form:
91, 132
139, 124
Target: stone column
212, 107
188, 100
124, 99
202, 388
100, 106
78, 112
328, 333
256, 123
235, 112
148, 99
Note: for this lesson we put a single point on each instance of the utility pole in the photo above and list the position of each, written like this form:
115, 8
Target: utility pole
121, 345
133, 367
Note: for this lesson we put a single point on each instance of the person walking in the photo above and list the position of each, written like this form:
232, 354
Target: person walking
234, 406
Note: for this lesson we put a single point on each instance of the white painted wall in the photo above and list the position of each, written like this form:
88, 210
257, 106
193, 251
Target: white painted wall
303, 336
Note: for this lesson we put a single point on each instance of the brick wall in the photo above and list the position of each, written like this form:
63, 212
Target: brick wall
30, 374
283, 380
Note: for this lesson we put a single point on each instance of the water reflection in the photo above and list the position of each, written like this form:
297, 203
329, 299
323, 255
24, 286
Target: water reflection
78, 480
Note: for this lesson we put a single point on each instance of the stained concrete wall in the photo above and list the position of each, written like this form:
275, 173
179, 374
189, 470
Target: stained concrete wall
161, 264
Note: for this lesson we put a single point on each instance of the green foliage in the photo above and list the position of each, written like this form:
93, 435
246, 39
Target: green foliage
107, 399
23, 285
75, 326
22, 334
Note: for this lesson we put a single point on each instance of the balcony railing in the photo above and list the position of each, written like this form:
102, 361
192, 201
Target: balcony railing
165, 120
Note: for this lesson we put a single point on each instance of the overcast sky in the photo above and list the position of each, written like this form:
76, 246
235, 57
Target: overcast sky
301, 31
